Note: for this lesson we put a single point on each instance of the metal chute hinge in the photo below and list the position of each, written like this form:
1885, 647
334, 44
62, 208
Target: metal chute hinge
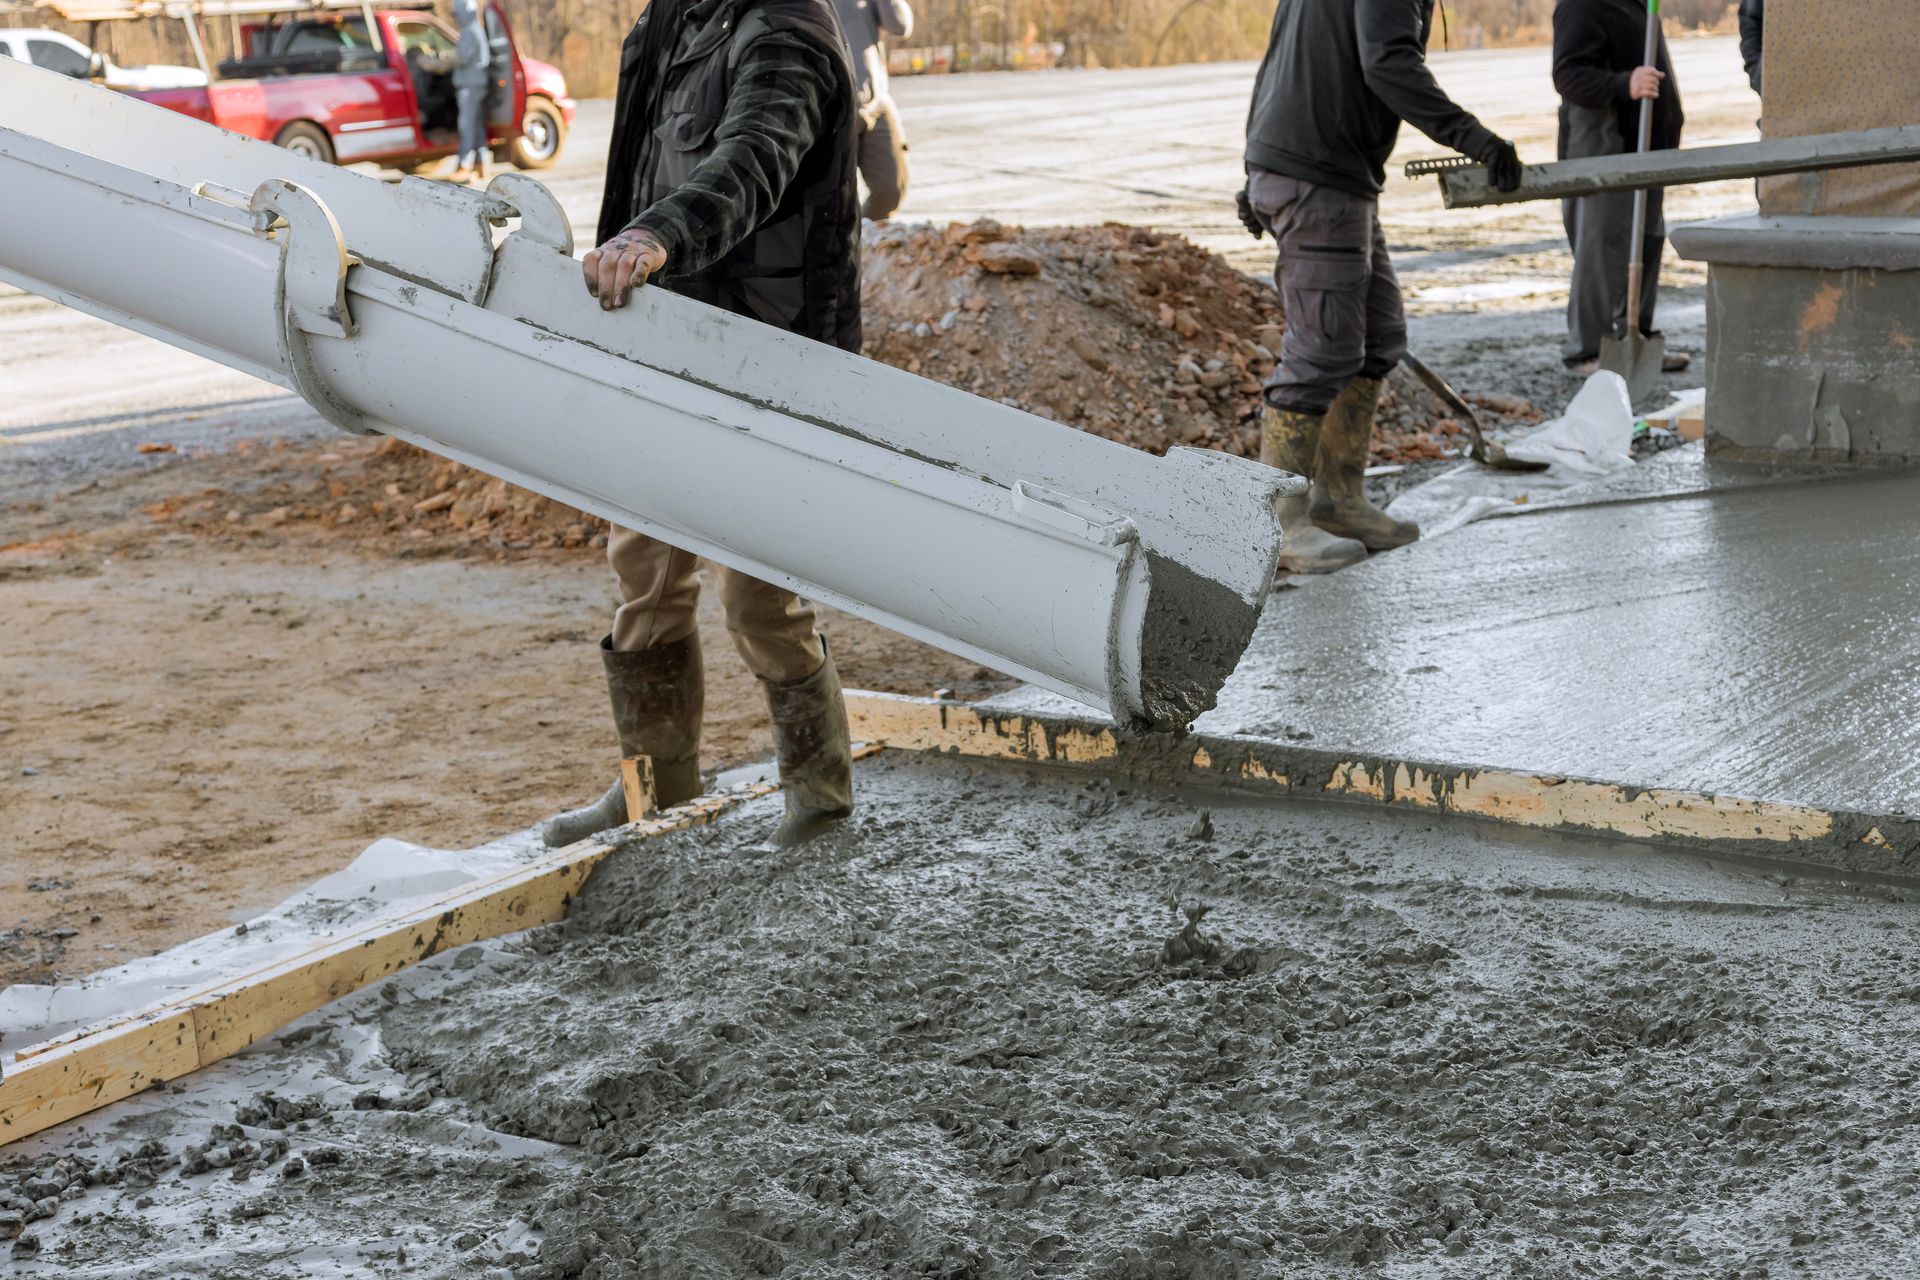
310, 296
541, 217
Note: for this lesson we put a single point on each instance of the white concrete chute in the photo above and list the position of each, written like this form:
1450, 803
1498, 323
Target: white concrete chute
1126, 581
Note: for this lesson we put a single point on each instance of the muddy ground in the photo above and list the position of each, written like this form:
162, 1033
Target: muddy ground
971, 1035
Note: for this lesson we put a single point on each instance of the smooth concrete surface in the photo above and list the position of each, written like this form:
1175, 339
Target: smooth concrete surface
1759, 641
1683, 472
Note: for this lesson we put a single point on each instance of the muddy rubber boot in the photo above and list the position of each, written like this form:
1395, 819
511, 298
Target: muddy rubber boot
812, 744
1287, 441
1338, 502
659, 696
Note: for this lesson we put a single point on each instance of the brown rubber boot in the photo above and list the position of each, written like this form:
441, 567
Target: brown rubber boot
812, 744
1339, 503
1287, 441
658, 697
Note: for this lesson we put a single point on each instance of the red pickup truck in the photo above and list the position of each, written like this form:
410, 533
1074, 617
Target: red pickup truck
374, 85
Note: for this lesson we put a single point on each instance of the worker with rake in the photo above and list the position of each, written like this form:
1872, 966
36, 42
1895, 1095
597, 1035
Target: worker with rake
1338, 78
731, 179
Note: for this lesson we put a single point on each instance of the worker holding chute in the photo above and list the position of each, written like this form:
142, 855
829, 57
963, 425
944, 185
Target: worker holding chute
730, 179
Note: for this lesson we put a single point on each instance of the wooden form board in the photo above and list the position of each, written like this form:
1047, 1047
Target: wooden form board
88, 1068
1879, 845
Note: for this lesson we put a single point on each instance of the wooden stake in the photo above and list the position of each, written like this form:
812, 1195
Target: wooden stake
636, 775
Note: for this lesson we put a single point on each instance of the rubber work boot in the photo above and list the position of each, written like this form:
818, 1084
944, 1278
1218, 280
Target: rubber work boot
658, 697
811, 742
1338, 502
1287, 441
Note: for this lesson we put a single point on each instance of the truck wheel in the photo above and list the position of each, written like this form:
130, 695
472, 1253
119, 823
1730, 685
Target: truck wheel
308, 140
542, 132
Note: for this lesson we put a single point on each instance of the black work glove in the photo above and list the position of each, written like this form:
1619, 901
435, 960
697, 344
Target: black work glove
1243, 205
1503, 164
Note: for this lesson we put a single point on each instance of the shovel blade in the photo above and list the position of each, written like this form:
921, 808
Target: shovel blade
1636, 358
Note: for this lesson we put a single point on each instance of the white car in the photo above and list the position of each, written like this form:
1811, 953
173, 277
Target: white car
69, 57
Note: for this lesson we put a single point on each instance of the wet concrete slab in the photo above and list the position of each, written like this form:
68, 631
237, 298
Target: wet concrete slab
1760, 641
1687, 471
1009, 1023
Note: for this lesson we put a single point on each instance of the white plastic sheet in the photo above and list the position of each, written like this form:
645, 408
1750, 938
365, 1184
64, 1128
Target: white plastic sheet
389, 876
1589, 441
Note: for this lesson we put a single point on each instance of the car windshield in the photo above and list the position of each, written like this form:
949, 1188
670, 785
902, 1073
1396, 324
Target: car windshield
423, 38
57, 57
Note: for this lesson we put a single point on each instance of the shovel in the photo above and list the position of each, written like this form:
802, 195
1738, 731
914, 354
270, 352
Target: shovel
1488, 452
1636, 357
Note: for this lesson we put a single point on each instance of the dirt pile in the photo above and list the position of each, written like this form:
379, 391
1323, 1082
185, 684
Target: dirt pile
1128, 333
1131, 334
379, 490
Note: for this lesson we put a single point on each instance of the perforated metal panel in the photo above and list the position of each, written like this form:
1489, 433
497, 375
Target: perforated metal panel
1834, 65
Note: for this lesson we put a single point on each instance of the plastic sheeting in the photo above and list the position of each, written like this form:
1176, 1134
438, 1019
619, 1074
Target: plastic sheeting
1589, 441
388, 877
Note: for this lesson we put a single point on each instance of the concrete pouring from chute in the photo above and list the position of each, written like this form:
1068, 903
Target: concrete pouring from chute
1129, 582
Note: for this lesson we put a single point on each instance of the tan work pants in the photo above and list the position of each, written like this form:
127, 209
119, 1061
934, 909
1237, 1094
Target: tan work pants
660, 588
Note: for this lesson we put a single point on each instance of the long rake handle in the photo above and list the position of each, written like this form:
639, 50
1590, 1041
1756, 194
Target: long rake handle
1637, 259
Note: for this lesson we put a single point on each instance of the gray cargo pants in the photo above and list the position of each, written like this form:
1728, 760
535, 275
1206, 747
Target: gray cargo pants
1344, 314
471, 100
1600, 232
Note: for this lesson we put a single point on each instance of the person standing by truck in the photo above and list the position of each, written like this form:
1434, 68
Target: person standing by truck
731, 180
1338, 78
883, 142
472, 87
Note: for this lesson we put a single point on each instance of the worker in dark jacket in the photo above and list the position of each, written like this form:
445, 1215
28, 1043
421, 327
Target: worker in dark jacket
730, 179
1752, 23
1598, 46
1338, 78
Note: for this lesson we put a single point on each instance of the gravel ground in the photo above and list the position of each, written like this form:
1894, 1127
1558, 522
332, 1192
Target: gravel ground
986, 1029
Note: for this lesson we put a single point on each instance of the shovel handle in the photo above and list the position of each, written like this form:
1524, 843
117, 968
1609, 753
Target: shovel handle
1636, 261
1636, 275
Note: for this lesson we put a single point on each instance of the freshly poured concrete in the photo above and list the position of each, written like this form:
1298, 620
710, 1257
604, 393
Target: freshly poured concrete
972, 1032
1759, 641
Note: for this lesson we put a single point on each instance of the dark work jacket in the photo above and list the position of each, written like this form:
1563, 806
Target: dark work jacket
1596, 46
1338, 78
799, 268
1753, 21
